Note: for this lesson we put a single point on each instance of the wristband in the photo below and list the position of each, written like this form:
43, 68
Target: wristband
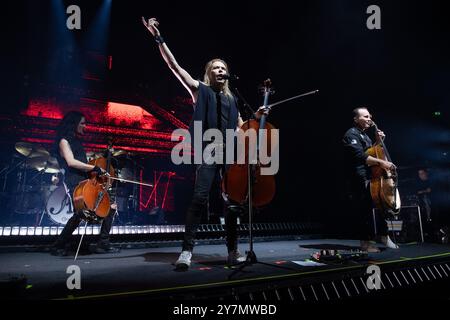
159, 39
97, 170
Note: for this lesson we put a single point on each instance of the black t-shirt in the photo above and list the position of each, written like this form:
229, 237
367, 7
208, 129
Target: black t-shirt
72, 176
355, 143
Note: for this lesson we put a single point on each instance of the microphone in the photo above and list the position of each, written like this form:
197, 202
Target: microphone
231, 77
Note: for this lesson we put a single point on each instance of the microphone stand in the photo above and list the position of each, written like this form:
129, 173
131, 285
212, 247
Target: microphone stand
249, 111
251, 258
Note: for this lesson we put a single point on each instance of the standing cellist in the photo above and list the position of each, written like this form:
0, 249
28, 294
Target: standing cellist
358, 174
216, 108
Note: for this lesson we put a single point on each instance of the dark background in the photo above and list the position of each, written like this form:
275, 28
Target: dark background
401, 73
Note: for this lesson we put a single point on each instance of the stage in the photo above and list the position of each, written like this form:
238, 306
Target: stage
288, 272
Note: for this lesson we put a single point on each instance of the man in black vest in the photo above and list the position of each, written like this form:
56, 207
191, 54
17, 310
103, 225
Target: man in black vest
216, 108
72, 158
358, 173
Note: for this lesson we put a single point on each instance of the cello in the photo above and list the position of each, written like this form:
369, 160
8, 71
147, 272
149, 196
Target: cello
91, 195
384, 183
235, 183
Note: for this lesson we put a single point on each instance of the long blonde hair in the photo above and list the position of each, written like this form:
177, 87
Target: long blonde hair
206, 77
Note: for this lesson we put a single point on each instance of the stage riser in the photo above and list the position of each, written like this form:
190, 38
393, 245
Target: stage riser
396, 282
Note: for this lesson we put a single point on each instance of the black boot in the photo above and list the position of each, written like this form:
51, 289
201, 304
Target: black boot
103, 246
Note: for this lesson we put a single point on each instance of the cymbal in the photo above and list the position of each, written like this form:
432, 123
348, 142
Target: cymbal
36, 162
49, 165
93, 155
52, 165
30, 150
119, 153
52, 170
53, 161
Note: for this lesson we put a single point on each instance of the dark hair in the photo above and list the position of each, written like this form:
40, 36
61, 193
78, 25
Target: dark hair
68, 126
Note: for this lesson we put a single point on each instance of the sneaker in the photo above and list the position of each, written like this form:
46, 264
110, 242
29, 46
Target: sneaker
103, 248
184, 260
235, 257
386, 240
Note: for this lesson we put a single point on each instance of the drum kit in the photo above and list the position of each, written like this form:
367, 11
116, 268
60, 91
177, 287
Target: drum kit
35, 184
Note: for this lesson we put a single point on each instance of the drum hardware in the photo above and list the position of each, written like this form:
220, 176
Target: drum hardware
44, 165
30, 150
119, 153
91, 155
32, 195
35, 157
127, 194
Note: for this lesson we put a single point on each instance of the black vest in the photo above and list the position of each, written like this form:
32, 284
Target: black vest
206, 111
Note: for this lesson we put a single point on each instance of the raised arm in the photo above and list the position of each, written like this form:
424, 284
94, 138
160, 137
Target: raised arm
185, 78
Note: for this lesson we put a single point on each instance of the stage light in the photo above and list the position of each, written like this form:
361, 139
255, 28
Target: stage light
30, 231
98, 32
38, 231
15, 231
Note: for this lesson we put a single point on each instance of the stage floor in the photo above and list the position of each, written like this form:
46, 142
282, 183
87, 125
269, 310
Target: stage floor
149, 272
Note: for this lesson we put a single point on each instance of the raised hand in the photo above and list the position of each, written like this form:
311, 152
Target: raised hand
151, 25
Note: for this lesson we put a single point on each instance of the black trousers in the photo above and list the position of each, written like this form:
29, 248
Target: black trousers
74, 222
362, 212
205, 177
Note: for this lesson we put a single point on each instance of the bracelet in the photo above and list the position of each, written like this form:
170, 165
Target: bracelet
159, 39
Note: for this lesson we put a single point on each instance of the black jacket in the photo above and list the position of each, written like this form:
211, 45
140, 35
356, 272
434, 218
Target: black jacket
355, 143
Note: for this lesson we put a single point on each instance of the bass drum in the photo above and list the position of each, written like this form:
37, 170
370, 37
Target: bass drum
59, 205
